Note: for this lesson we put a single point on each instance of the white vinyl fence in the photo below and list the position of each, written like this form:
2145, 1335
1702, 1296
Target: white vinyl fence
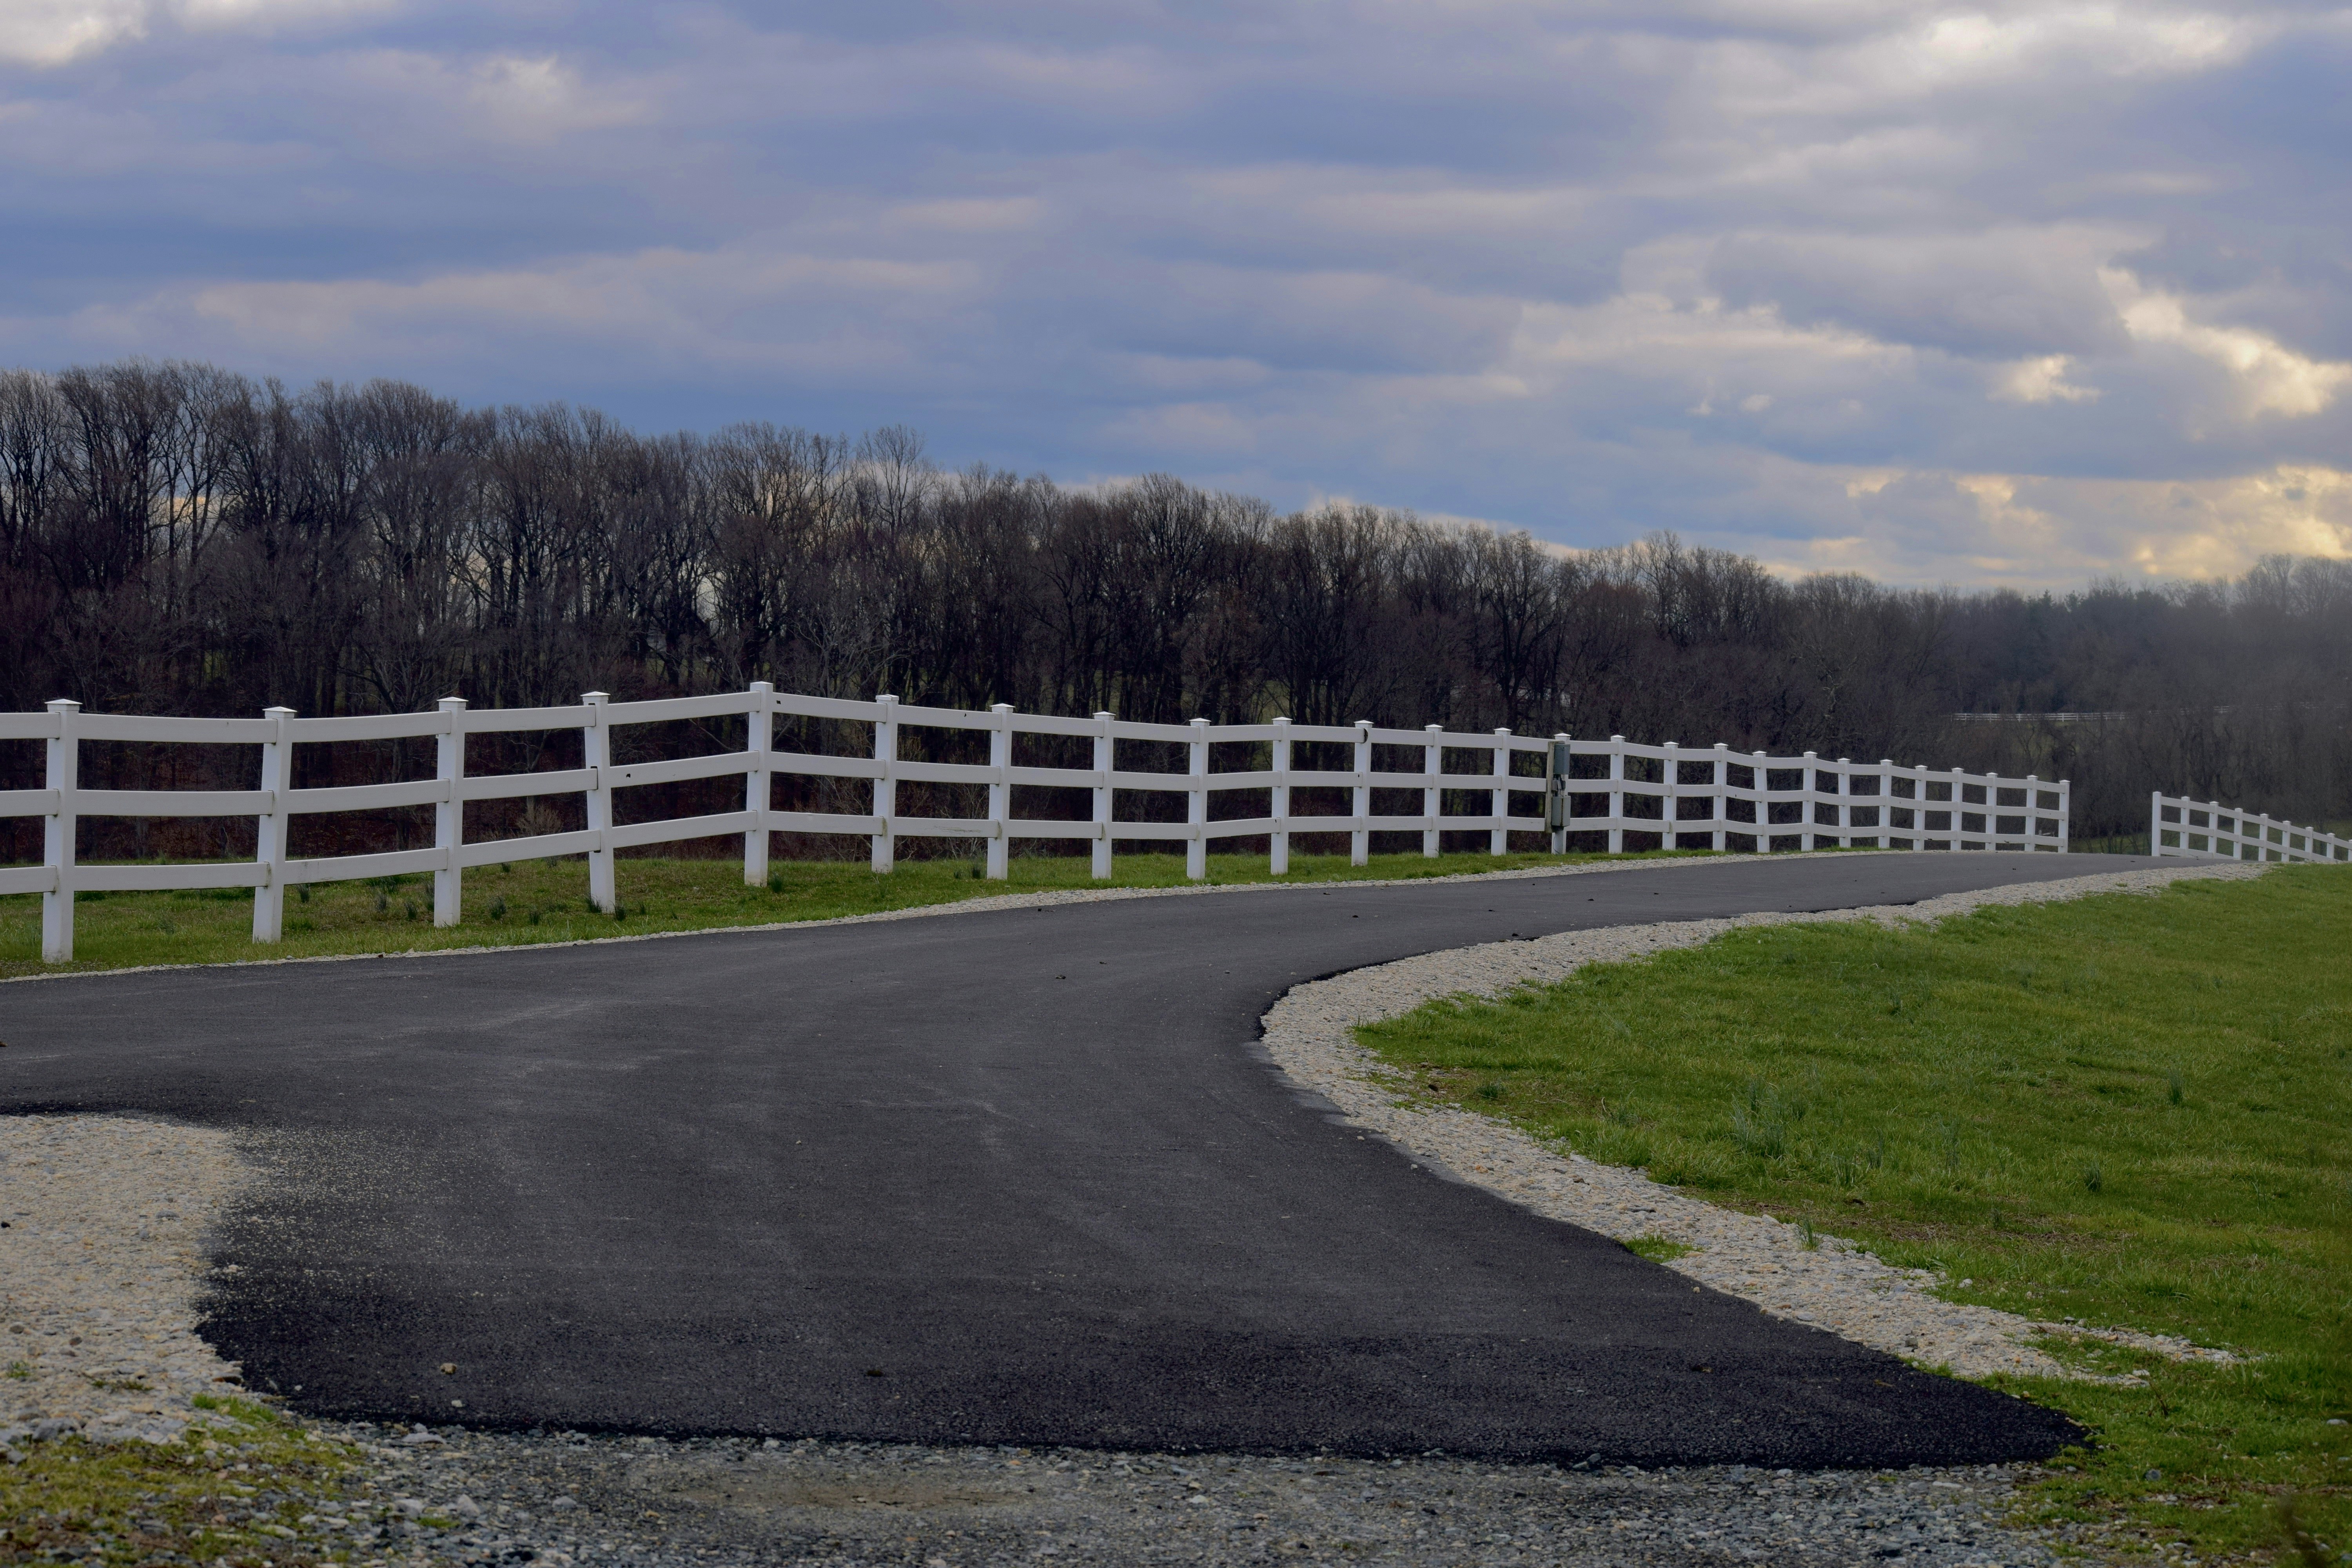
1686, 798
2198, 828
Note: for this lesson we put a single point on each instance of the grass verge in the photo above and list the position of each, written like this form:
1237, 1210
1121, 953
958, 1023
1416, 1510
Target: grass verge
254, 1491
2129, 1111
546, 902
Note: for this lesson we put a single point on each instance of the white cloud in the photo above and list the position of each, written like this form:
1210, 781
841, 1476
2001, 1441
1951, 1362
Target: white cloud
2266, 376
53, 32
2041, 380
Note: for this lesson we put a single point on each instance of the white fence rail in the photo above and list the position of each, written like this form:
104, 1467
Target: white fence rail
1699, 799
2197, 829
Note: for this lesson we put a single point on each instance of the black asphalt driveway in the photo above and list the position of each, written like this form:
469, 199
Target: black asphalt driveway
1016, 1177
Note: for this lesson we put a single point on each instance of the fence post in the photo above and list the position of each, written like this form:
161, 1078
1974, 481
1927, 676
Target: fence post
1432, 763
1844, 807
58, 834
1196, 807
1103, 756
269, 830
597, 752
2156, 822
1359, 841
1499, 839
449, 815
886, 784
1278, 841
1763, 777
2066, 818
1560, 837
1812, 781
1616, 794
1670, 783
1000, 793
1720, 791
758, 744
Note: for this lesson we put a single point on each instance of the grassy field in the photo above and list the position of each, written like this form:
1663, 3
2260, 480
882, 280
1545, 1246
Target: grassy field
2130, 1111
546, 900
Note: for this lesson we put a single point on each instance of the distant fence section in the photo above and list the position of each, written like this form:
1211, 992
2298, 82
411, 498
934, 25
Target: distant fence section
2196, 829
1610, 793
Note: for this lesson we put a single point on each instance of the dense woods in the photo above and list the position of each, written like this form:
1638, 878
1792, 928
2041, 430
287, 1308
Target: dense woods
178, 539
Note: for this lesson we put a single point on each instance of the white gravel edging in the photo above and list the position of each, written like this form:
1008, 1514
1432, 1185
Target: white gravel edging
1836, 1286
101, 1262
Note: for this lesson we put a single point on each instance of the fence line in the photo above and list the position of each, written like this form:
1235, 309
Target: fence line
1710, 798
2207, 828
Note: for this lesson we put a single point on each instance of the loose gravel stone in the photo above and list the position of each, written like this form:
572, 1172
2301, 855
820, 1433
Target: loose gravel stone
1311, 1034
100, 1261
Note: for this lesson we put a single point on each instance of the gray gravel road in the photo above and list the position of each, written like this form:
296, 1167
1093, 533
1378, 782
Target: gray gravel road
1017, 1177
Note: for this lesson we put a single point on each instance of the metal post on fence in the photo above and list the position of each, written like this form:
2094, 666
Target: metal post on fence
1278, 841
1000, 791
1616, 794
759, 745
269, 830
885, 783
1196, 808
1432, 763
1498, 841
449, 813
1360, 842
58, 834
596, 755
1103, 756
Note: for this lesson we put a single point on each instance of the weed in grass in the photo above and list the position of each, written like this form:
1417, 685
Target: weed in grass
382, 902
1977, 1119
532, 918
22, 1370
1807, 1237
2093, 1181
775, 881
302, 892
498, 907
1657, 1248
408, 907
1490, 1091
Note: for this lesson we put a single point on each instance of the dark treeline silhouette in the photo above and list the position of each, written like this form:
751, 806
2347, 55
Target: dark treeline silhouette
178, 539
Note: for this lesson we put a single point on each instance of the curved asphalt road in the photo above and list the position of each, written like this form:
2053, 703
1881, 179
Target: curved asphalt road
1003, 1177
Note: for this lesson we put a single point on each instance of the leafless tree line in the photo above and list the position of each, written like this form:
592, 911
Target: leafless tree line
177, 538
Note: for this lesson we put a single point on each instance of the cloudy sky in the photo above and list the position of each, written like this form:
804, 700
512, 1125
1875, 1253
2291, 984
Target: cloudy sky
2017, 294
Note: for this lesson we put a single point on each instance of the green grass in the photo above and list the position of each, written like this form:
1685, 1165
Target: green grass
547, 900
2131, 1111
205, 1497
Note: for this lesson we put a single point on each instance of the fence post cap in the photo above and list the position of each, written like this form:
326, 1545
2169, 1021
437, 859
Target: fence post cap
761, 686
884, 697
1616, 738
595, 697
452, 704
1282, 721
277, 712
999, 708
1434, 729
1812, 753
1723, 745
63, 705
1103, 718
1200, 724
